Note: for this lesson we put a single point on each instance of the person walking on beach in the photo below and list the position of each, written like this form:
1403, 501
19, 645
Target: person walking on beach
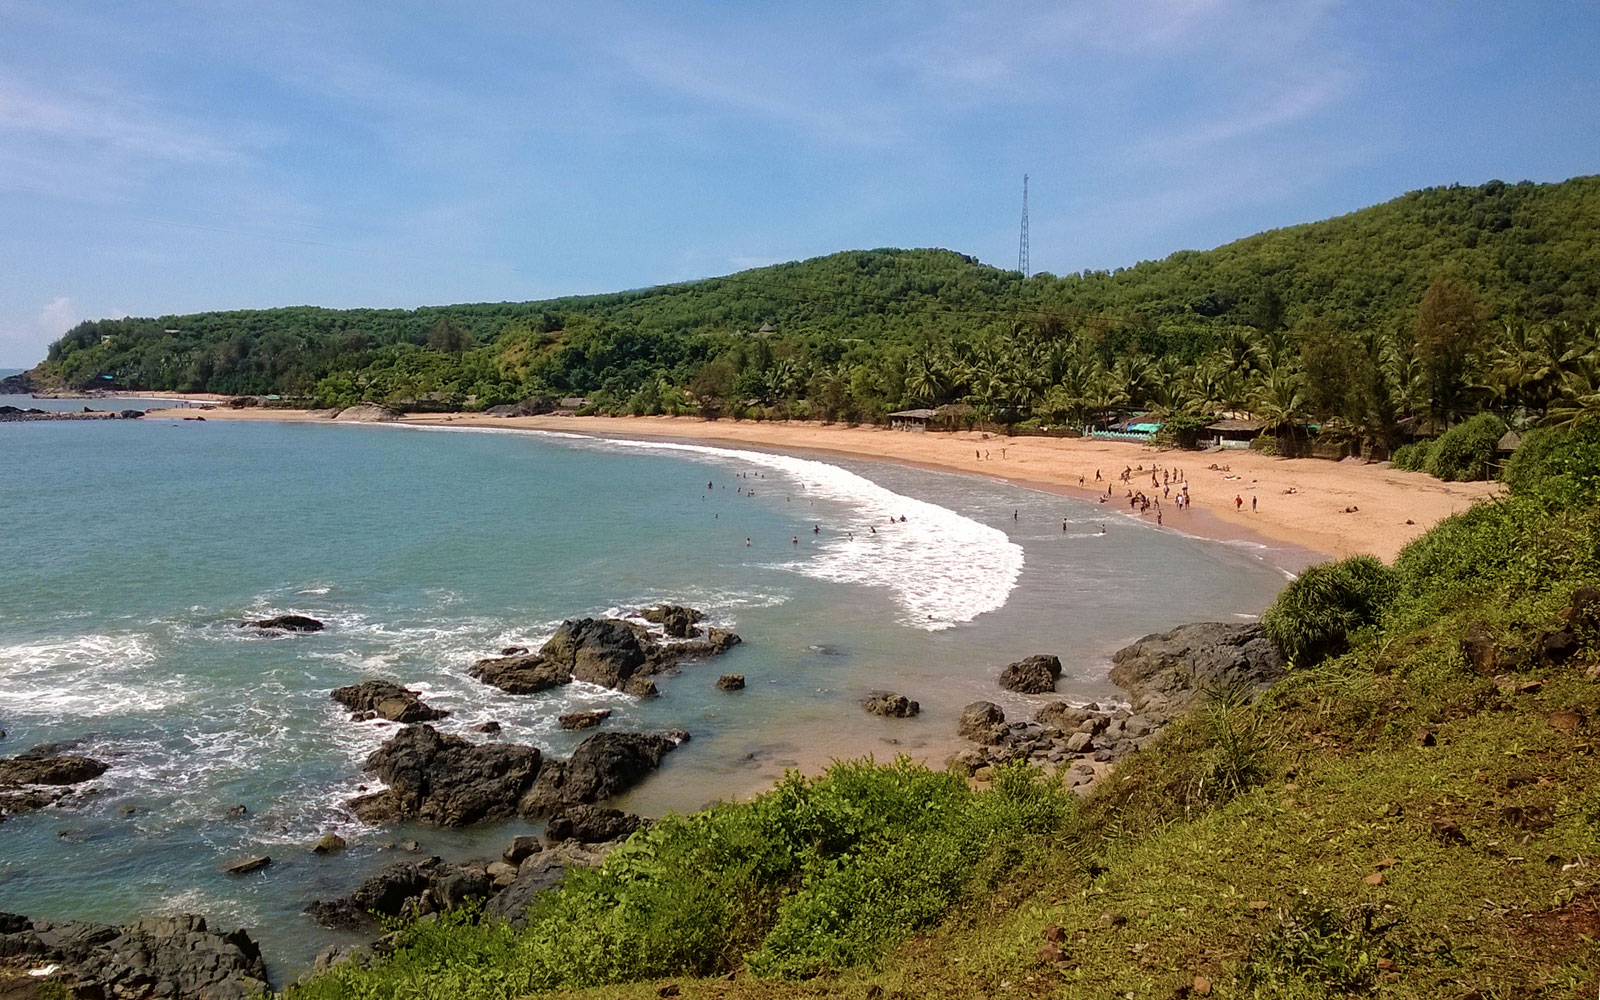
1238, 502
1252, 505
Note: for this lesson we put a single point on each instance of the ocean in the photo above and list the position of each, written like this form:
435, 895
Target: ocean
131, 550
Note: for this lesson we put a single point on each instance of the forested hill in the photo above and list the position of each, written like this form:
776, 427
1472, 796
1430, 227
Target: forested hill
862, 332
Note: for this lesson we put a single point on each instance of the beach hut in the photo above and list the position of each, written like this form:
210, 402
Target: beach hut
910, 420
1234, 432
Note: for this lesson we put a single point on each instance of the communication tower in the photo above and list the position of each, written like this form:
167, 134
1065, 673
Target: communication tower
1022, 245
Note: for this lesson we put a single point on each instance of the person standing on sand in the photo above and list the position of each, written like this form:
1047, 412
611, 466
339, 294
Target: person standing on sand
1158, 517
1238, 502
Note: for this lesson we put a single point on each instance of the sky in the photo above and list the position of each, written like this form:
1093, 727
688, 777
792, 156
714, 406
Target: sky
191, 155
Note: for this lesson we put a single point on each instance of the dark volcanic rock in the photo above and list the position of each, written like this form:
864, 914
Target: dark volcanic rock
521, 674
151, 957
538, 873
602, 766
387, 700
982, 722
42, 777
889, 704
287, 623
1033, 675
677, 621
405, 888
1165, 673
583, 720
730, 682
446, 780
590, 824
604, 651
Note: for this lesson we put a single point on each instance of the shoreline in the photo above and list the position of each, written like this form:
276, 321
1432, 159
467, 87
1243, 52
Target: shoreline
1313, 507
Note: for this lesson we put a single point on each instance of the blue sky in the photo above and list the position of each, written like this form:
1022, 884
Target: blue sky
188, 155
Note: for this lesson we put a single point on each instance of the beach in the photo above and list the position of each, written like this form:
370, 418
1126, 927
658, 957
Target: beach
1336, 509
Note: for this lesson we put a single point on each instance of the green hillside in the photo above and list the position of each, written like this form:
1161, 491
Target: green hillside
1324, 321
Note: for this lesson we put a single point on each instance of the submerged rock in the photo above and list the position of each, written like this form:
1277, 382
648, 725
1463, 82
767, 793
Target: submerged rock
730, 682
583, 720
446, 780
287, 623
1032, 675
602, 766
887, 703
386, 700
151, 957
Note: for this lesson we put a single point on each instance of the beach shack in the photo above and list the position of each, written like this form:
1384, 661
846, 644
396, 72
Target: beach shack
910, 420
1234, 432
1140, 427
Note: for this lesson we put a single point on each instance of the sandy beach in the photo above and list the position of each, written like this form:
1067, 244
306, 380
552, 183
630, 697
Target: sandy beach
1333, 508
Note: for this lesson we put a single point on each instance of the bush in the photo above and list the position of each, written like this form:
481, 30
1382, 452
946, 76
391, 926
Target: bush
1561, 468
818, 874
1466, 452
1316, 613
1315, 950
1413, 457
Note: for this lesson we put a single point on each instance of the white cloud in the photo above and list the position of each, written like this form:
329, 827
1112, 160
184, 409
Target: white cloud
58, 316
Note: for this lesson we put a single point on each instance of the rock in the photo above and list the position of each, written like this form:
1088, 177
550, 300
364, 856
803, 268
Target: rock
1176, 667
287, 623
730, 682
1479, 650
368, 413
323, 414
446, 780
965, 762
1080, 743
1033, 675
151, 957
1583, 608
487, 727
247, 866
583, 720
1558, 646
520, 848
388, 701
522, 674
677, 621
514, 651
590, 824
405, 888
42, 777
235, 812
604, 651
331, 843
538, 873
1567, 721
603, 765
501, 874
982, 722
889, 704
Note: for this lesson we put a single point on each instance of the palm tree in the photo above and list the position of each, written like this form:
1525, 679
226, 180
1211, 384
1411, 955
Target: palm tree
1279, 400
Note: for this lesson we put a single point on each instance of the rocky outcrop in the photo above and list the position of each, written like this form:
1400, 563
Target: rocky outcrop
286, 623
603, 765
1033, 675
982, 722
368, 413
1166, 673
152, 957
385, 700
730, 682
541, 872
583, 720
406, 889
610, 652
590, 824
887, 703
42, 777
446, 780
677, 621
524, 674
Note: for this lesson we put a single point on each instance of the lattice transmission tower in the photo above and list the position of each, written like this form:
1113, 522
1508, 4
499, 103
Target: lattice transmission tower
1022, 244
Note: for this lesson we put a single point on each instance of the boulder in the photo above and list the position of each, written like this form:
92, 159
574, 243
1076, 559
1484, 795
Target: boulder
603, 651
247, 865
583, 720
446, 780
520, 848
541, 872
405, 888
982, 722
887, 703
521, 674
331, 843
324, 414
1169, 671
43, 776
368, 413
603, 765
677, 621
151, 957
387, 700
287, 623
1033, 675
590, 824
730, 682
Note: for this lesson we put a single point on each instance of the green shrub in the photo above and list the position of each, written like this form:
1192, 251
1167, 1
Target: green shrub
1235, 759
1562, 468
1466, 452
817, 874
1316, 951
1413, 457
1316, 613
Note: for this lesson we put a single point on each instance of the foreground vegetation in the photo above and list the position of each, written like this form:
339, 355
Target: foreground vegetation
1439, 304
1413, 812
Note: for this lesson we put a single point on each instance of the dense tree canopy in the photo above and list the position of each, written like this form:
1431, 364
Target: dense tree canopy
1435, 305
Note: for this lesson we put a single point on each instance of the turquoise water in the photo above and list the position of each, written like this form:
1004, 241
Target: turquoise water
133, 549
